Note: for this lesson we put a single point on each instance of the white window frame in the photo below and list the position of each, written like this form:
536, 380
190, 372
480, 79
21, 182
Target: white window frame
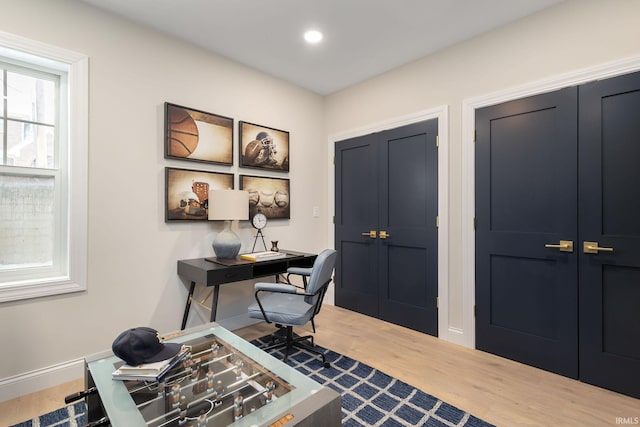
72, 275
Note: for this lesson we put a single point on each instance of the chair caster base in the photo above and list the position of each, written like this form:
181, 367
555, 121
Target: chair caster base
289, 342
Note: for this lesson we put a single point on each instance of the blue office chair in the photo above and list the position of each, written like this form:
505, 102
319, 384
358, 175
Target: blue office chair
288, 305
304, 273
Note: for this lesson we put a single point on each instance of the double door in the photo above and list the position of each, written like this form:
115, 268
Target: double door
385, 225
558, 232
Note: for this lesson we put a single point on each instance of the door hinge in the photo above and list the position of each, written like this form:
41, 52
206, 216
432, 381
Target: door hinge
438, 221
475, 135
437, 140
474, 311
438, 303
334, 219
475, 223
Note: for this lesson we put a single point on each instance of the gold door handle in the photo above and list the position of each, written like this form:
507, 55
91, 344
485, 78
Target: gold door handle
384, 234
564, 246
593, 248
371, 234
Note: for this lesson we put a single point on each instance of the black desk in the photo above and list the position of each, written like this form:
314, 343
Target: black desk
214, 272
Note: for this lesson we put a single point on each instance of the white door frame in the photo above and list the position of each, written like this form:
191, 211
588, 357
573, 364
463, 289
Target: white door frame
469, 106
442, 114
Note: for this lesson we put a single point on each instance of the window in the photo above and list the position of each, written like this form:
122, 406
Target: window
43, 169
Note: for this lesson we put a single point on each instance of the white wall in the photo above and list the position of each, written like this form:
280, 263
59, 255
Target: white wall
571, 36
133, 252
132, 255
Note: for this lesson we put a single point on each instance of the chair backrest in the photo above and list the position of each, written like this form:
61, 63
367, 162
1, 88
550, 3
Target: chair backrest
321, 273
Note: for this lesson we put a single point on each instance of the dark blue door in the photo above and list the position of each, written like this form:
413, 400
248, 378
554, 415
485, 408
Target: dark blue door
526, 205
555, 171
609, 292
356, 224
408, 256
386, 234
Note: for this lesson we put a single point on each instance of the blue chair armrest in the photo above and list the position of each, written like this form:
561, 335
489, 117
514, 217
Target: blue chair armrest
276, 287
304, 272
300, 271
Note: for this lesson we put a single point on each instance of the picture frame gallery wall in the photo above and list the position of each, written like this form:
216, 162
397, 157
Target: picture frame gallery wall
194, 135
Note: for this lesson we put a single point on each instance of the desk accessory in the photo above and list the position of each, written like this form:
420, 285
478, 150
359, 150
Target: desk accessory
228, 205
259, 221
262, 256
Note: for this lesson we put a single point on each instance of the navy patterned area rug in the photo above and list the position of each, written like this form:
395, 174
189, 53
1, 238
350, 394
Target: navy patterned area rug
369, 397
69, 416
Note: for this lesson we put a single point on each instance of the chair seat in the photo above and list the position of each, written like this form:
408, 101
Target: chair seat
285, 309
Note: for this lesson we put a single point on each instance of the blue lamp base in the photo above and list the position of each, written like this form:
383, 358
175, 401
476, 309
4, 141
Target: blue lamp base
226, 244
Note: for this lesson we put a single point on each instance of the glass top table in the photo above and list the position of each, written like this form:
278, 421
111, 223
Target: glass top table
223, 381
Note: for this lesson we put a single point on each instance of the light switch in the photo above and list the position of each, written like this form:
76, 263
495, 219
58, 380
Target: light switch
316, 212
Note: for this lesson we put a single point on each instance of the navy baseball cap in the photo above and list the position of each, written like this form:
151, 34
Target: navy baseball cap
143, 345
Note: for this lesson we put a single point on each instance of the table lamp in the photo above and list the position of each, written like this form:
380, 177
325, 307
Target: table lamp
227, 205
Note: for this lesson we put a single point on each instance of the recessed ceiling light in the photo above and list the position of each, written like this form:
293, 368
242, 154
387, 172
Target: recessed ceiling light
313, 36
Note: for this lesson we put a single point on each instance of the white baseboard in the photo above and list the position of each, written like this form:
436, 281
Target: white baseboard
40, 379
457, 336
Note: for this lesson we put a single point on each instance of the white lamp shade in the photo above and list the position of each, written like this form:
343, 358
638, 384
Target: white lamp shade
228, 205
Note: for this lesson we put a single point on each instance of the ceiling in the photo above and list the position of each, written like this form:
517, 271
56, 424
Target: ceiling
362, 38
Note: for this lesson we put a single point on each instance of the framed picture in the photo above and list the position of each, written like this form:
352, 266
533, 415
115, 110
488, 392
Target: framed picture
267, 195
198, 136
263, 148
187, 192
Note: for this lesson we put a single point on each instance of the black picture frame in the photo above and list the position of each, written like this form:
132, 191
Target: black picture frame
196, 135
263, 147
271, 196
187, 192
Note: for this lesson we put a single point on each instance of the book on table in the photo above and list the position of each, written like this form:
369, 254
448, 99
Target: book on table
262, 256
149, 371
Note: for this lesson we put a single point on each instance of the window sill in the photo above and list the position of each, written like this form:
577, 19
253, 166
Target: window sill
35, 289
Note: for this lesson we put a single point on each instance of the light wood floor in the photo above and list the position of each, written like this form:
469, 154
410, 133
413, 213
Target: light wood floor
498, 390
